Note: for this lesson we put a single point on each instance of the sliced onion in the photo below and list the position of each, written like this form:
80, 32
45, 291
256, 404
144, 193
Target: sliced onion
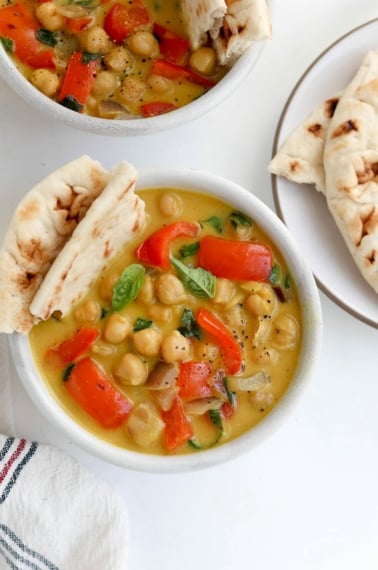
112, 110
202, 405
162, 376
258, 381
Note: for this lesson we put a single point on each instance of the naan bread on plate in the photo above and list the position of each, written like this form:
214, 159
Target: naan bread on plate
39, 228
351, 167
112, 220
300, 158
245, 21
230, 25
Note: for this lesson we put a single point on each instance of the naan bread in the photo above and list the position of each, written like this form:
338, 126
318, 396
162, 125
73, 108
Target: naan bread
351, 167
246, 21
300, 158
203, 17
113, 219
39, 228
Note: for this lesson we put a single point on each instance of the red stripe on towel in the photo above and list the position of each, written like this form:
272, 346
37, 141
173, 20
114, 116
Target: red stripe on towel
15, 455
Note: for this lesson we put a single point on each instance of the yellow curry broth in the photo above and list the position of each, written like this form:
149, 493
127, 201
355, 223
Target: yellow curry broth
249, 412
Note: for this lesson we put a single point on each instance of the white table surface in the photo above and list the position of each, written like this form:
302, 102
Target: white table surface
308, 497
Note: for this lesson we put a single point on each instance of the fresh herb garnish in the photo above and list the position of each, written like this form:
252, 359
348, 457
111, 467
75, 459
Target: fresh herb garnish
67, 372
216, 420
71, 103
240, 219
104, 313
46, 37
215, 222
230, 394
7, 43
189, 327
198, 281
287, 281
189, 249
128, 286
87, 57
141, 324
275, 274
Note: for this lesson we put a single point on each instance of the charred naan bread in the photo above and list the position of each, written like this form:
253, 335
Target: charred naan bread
245, 21
300, 158
40, 226
351, 167
113, 219
229, 25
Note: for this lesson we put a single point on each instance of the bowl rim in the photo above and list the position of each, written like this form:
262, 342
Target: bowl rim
268, 221
131, 127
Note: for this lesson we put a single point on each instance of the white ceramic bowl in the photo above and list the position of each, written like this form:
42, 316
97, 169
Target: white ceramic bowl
310, 343
114, 127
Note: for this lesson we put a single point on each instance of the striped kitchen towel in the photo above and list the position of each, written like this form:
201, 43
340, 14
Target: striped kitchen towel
54, 513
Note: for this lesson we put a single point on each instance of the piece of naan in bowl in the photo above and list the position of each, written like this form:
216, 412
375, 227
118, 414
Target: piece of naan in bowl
38, 230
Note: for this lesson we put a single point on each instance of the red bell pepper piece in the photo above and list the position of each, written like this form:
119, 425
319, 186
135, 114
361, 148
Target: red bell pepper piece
231, 351
78, 79
177, 427
172, 46
91, 389
227, 411
155, 108
122, 19
77, 25
155, 249
73, 348
20, 26
192, 380
240, 260
172, 70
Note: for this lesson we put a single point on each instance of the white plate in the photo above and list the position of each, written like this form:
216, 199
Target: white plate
301, 207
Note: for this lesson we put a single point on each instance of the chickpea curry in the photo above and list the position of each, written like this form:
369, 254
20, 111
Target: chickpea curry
114, 59
187, 339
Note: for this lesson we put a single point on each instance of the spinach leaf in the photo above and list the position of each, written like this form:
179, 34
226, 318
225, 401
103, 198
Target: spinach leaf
128, 286
198, 281
67, 372
141, 324
7, 43
189, 327
240, 219
189, 249
275, 274
46, 37
215, 222
71, 103
87, 57
216, 420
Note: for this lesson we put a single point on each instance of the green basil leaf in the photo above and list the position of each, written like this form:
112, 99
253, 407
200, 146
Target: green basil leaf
141, 324
287, 281
230, 395
71, 103
189, 327
275, 274
215, 222
216, 419
87, 57
198, 281
189, 249
46, 37
240, 219
128, 286
7, 44
67, 372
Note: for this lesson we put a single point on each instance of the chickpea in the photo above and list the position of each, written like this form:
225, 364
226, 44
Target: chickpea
105, 83
147, 292
170, 204
175, 347
203, 60
117, 328
45, 80
131, 89
94, 40
285, 332
143, 43
119, 59
261, 303
107, 285
131, 370
90, 311
224, 291
145, 425
161, 313
170, 290
49, 16
148, 341
160, 84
